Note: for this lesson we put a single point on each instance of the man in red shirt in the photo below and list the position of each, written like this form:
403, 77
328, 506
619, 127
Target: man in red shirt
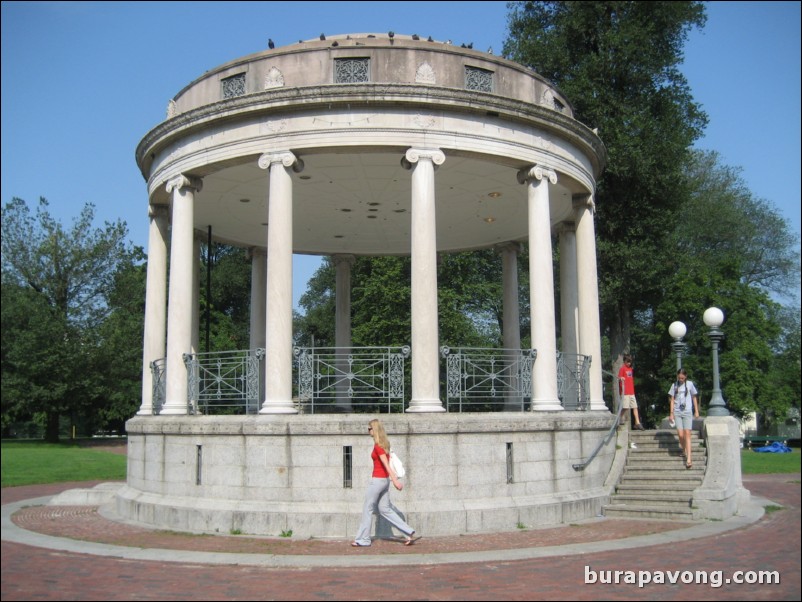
626, 387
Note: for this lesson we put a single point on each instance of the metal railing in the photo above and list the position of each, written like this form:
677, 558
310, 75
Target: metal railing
358, 379
224, 382
573, 385
618, 409
158, 368
373, 379
488, 380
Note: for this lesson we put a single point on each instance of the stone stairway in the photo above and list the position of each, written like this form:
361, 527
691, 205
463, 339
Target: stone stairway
655, 483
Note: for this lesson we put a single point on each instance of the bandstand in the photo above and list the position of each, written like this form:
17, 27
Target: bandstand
366, 145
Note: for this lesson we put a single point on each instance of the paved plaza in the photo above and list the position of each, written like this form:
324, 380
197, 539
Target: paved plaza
77, 553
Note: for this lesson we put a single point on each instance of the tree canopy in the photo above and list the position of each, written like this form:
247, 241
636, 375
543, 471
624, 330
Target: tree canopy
61, 289
618, 64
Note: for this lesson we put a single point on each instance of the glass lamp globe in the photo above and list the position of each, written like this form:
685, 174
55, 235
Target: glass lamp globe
677, 330
713, 317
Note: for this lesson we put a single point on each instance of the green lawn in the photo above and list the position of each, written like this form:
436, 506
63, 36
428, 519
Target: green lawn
761, 463
35, 462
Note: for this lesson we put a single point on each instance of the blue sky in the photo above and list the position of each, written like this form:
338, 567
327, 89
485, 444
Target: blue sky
83, 82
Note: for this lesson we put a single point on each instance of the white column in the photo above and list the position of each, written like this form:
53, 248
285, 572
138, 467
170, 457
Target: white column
569, 300
511, 322
179, 308
278, 331
155, 303
196, 270
541, 288
342, 327
425, 359
569, 308
258, 310
258, 259
588, 292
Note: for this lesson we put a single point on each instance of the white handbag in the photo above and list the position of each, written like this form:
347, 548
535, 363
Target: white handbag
397, 465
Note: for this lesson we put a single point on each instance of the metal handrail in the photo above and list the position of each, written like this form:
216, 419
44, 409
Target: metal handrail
617, 404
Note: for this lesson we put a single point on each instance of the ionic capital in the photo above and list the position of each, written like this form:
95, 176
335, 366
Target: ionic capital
565, 227
537, 172
583, 201
413, 155
181, 181
511, 246
346, 258
158, 211
286, 158
252, 253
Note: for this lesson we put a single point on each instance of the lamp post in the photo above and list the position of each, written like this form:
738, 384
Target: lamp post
713, 318
677, 330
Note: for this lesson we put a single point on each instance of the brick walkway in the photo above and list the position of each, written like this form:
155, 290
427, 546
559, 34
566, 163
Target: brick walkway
771, 544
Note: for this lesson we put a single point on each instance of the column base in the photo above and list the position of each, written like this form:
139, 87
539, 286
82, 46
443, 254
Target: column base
169, 409
427, 405
547, 405
598, 405
273, 407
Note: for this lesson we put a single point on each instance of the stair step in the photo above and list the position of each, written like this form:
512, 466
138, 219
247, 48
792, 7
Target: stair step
652, 499
661, 512
662, 481
650, 487
639, 455
661, 466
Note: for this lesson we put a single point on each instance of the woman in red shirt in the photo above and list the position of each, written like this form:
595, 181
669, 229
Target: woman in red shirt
378, 494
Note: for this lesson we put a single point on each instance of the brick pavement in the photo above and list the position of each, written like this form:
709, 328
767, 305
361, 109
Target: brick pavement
773, 543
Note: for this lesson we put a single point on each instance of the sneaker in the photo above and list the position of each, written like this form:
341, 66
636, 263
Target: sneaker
639, 427
633, 446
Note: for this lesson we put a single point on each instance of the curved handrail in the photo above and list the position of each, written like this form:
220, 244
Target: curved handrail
610, 433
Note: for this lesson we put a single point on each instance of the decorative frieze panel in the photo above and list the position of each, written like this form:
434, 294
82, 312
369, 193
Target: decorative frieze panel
274, 79
478, 79
233, 86
351, 71
425, 74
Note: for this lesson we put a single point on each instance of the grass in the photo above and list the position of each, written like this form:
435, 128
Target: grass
36, 462
762, 463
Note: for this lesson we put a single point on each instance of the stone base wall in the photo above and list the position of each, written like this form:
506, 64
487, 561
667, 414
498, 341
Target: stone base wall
264, 475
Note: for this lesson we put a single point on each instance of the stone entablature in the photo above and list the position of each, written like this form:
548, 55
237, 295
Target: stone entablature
392, 60
376, 113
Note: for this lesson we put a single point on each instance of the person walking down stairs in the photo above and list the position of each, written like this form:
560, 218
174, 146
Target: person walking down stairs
626, 387
683, 408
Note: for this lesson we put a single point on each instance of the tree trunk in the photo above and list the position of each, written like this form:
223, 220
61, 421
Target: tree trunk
620, 333
51, 427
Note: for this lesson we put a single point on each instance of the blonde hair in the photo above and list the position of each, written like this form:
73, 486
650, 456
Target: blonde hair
379, 435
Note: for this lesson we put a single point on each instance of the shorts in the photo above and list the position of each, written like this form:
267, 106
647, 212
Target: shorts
684, 421
628, 402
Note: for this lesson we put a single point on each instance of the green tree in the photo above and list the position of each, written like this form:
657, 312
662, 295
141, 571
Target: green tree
58, 283
618, 63
229, 309
469, 301
735, 252
118, 360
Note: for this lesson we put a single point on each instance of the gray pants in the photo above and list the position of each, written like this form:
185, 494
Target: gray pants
378, 496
